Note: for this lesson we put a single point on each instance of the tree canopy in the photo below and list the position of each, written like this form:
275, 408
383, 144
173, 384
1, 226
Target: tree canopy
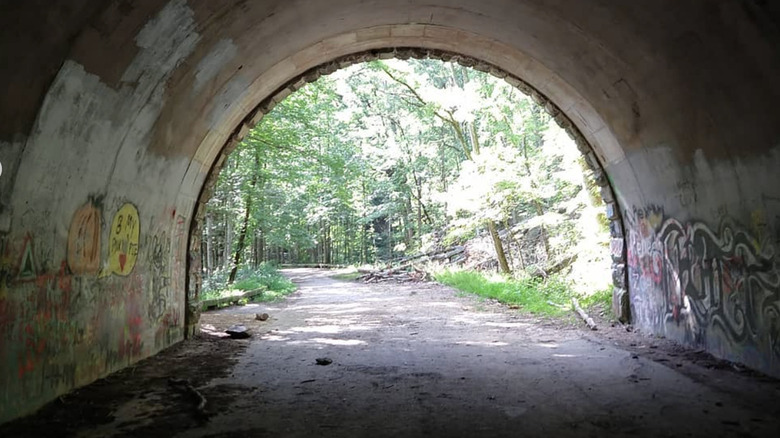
388, 158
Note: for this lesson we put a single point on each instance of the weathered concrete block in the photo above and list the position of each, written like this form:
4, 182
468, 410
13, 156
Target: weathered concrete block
481, 66
616, 229
280, 96
619, 275
497, 72
606, 194
620, 305
613, 211
617, 250
551, 109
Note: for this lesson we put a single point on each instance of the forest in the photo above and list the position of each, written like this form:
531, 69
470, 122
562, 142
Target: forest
390, 160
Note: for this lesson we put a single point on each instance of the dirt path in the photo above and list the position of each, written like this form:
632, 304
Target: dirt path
416, 360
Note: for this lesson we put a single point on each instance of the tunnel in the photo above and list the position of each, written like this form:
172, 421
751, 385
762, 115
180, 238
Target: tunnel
116, 117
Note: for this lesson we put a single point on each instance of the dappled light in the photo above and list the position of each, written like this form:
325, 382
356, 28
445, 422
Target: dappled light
377, 218
407, 169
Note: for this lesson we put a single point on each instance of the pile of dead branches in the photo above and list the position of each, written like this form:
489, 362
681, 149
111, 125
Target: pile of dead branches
408, 268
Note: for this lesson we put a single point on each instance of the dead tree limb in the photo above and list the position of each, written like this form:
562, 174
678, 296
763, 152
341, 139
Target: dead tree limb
588, 320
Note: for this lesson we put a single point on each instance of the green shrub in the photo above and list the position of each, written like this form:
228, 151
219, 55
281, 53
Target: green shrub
265, 277
543, 296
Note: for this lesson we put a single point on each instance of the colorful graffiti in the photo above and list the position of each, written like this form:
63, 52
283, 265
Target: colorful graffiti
84, 240
159, 280
124, 235
689, 276
61, 325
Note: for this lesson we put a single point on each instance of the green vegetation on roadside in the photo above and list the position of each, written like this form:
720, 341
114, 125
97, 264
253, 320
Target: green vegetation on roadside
265, 277
550, 296
602, 299
350, 275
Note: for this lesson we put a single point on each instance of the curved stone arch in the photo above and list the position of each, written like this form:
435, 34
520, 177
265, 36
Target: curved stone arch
255, 116
132, 102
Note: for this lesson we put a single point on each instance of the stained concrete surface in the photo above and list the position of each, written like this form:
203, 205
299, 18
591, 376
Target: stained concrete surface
417, 360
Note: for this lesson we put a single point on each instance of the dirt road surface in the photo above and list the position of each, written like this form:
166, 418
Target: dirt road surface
413, 360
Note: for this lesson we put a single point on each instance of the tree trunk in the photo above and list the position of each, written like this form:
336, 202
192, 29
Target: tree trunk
499, 247
241, 241
209, 256
228, 241
241, 244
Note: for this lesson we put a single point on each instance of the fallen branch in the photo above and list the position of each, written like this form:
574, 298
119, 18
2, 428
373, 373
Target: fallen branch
588, 320
187, 386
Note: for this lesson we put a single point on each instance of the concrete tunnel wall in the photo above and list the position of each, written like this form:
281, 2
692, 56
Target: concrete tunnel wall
114, 113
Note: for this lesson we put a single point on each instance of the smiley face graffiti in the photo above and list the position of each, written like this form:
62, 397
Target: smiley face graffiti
123, 240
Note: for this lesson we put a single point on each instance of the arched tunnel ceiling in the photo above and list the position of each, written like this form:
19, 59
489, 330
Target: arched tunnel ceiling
130, 102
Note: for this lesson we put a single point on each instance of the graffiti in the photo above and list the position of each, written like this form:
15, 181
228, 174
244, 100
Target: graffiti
687, 275
159, 279
179, 249
27, 262
131, 343
616, 248
84, 240
125, 232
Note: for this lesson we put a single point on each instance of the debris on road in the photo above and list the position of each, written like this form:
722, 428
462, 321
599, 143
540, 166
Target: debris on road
238, 332
323, 361
261, 316
588, 320
185, 385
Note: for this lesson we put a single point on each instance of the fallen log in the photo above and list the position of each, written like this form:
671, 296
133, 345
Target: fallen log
187, 387
366, 271
407, 271
588, 320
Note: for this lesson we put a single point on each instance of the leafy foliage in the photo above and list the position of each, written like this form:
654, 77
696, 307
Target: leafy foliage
542, 296
388, 158
265, 277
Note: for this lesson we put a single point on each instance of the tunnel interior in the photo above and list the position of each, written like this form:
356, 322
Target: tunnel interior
117, 115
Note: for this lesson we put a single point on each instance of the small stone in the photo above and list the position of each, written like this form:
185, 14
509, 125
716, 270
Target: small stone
323, 361
238, 332
261, 316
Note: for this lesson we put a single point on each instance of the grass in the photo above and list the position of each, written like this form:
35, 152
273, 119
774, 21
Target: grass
550, 297
350, 275
601, 300
547, 297
275, 286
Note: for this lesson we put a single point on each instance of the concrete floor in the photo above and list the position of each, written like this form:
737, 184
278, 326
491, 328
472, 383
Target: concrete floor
419, 360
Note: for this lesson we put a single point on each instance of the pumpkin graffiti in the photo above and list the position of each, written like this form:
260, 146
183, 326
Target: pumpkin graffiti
84, 240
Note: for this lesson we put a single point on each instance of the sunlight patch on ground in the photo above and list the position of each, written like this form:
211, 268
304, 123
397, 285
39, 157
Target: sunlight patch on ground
269, 337
442, 304
547, 345
507, 324
325, 329
330, 341
483, 344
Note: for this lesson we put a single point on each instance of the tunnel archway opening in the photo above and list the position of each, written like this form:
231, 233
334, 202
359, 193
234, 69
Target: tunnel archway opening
620, 301
677, 104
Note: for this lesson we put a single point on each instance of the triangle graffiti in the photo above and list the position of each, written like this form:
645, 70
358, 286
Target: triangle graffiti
27, 267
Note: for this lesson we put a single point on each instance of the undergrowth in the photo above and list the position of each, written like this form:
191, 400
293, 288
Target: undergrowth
265, 277
550, 296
